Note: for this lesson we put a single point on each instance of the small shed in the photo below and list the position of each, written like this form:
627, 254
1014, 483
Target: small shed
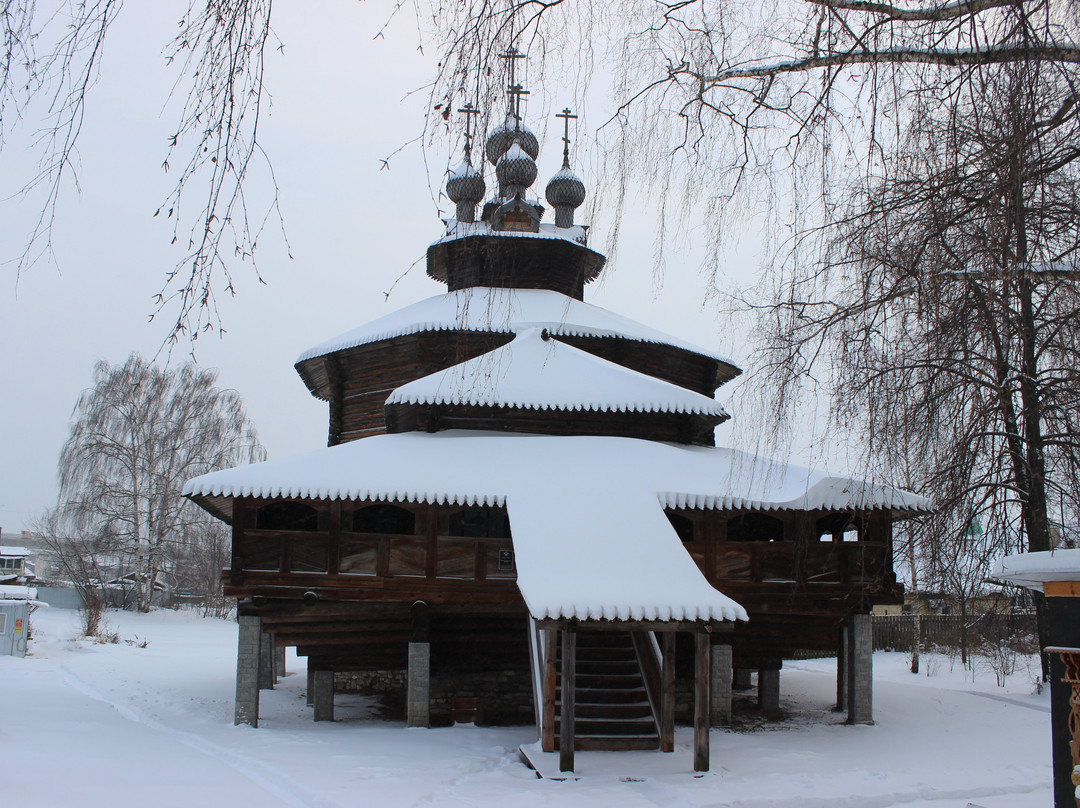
13, 565
16, 605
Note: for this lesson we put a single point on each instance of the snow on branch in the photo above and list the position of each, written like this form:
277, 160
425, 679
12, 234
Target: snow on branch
944, 58
944, 11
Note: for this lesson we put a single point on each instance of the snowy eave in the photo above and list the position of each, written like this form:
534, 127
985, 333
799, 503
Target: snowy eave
25, 594
1032, 570
504, 311
11, 551
586, 498
534, 372
457, 230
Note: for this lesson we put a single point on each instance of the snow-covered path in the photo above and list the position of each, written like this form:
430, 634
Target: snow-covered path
86, 724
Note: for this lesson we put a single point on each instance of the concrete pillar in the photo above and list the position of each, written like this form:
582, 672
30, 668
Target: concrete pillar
279, 661
310, 686
768, 693
266, 661
841, 670
247, 670
741, 680
860, 670
324, 695
418, 698
720, 686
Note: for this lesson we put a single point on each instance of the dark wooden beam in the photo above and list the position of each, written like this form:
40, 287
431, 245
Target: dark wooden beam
701, 702
667, 697
566, 711
551, 655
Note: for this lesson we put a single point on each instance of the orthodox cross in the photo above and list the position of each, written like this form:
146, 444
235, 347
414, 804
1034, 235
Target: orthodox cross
514, 89
468, 110
566, 116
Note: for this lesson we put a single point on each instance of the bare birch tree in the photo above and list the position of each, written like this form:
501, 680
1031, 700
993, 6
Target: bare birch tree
137, 435
50, 57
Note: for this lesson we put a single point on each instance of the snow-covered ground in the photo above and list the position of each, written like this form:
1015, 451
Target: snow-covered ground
87, 724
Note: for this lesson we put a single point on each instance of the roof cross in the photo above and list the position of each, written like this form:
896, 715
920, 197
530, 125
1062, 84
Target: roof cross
468, 111
566, 115
515, 91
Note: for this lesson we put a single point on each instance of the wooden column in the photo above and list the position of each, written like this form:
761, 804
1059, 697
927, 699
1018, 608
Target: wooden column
701, 701
841, 670
667, 694
566, 713
1063, 618
551, 654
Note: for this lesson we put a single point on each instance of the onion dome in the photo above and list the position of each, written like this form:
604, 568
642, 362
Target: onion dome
466, 188
502, 138
565, 192
516, 170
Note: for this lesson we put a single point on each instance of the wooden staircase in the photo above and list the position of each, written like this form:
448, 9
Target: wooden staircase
613, 711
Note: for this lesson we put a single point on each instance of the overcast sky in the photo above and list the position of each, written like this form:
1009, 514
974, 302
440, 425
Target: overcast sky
340, 103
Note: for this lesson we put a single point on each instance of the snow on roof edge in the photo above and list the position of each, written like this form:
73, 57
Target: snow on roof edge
507, 325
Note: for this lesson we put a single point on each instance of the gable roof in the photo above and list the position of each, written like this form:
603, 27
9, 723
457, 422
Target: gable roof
535, 372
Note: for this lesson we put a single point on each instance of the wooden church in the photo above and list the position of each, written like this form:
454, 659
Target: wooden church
522, 510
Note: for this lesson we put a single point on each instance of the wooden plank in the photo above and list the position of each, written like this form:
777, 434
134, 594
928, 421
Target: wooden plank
667, 696
701, 702
1062, 589
566, 711
551, 653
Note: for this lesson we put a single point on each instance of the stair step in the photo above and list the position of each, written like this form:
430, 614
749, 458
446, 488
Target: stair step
613, 743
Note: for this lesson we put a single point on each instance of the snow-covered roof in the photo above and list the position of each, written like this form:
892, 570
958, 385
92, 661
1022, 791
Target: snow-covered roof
18, 552
535, 372
19, 593
502, 310
585, 498
1032, 570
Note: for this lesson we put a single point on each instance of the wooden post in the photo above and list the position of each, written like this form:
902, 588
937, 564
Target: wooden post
566, 713
841, 669
551, 651
701, 702
667, 694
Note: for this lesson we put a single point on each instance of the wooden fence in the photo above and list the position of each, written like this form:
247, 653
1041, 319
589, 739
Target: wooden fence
895, 632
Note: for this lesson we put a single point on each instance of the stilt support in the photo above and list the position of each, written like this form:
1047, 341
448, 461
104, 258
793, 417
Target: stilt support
266, 661
279, 661
667, 694
547, 720
860, 670
324, 695
701, 701
566, 712
720, 686
742, 679
247, 670
419, 685
769, 690
841, 669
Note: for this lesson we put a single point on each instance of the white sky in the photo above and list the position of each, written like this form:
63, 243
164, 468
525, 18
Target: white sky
338, 105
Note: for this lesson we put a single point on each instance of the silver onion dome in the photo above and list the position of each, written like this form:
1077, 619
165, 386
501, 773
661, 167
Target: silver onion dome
466, 188
565, 191
502, 137
516, 170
